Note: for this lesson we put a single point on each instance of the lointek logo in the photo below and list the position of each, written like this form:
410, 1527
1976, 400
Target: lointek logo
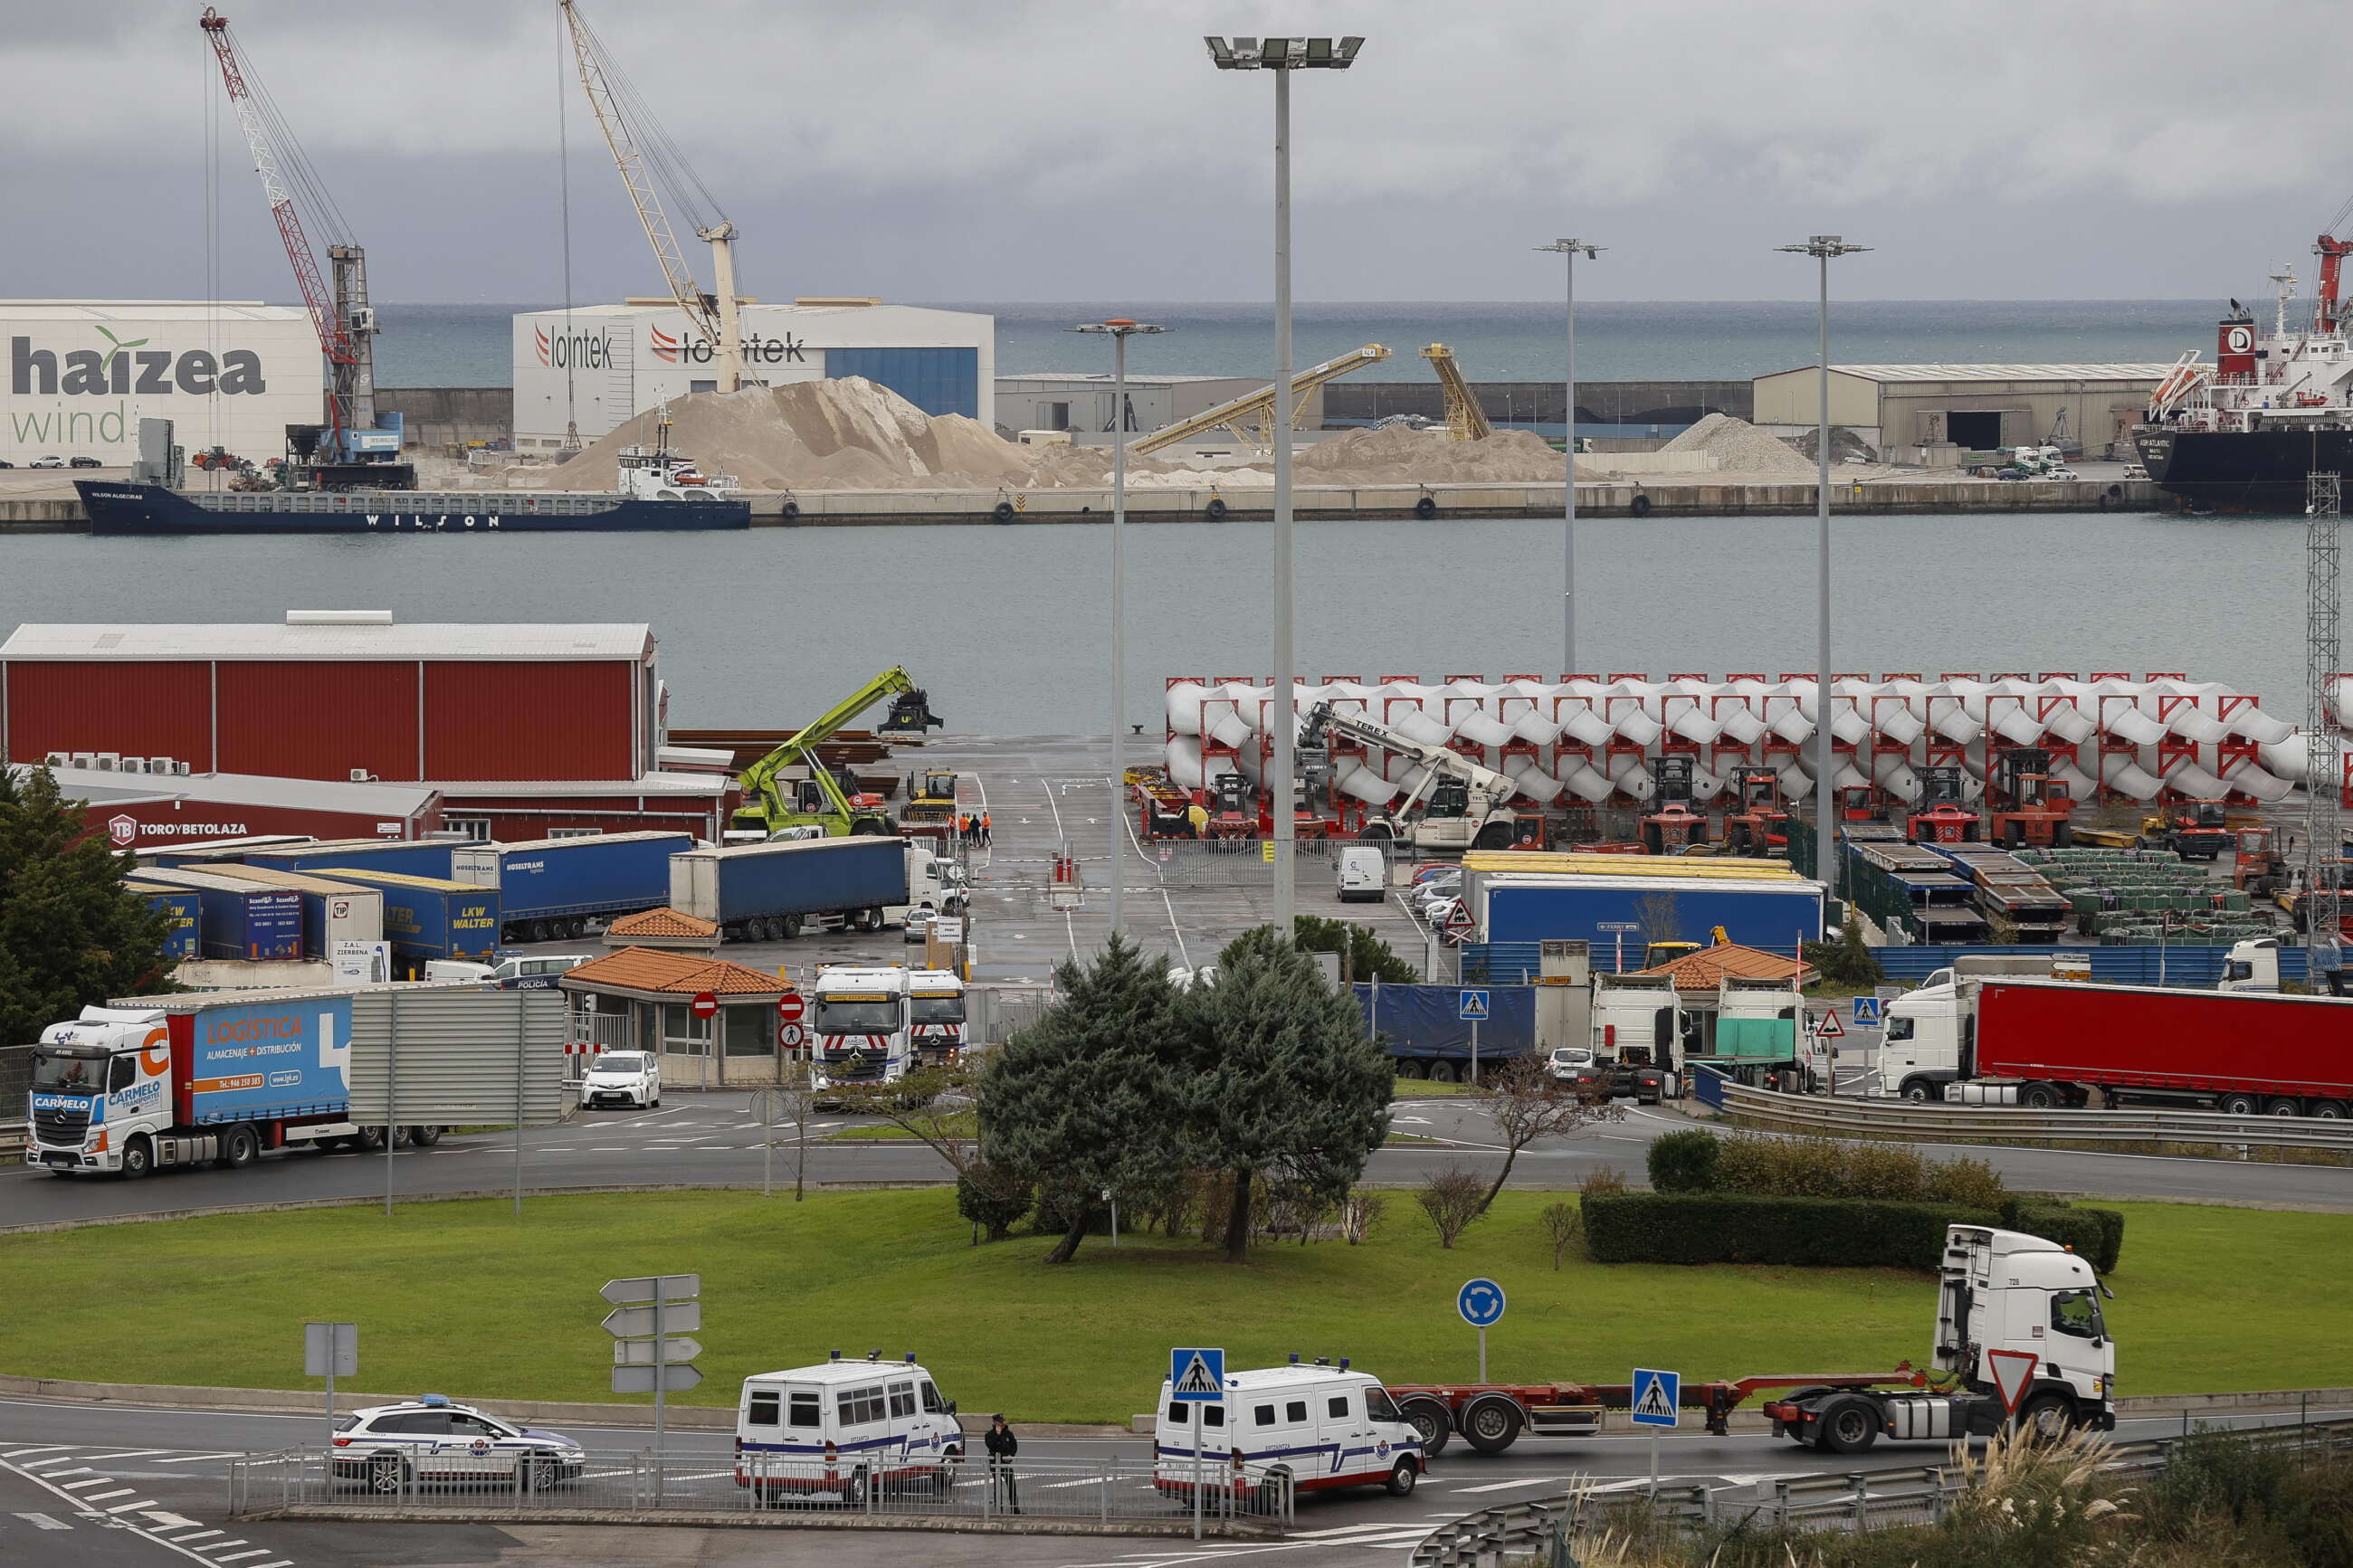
563, 350
126, 369
665, 346
691, 349
123, 829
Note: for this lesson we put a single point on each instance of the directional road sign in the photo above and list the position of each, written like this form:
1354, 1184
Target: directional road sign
1866, 1011
642, 1353
652, 1287
1197, 1376
654, 1379
1471, 1004
706, 1004
331, 1350
790, 1006
1481, 1302
1657, 1396
636, 1322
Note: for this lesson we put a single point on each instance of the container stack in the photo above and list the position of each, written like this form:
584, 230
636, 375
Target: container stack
2145, 897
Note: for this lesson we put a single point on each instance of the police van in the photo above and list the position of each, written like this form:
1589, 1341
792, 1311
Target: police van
842, 1426
1323, 1426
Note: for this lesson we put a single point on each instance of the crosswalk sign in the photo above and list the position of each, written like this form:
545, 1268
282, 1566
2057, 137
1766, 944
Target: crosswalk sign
1472, 1006
1657, 1395
1197, 1375
1866, 1011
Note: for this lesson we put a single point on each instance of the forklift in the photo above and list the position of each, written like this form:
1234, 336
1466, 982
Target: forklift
1762, 816
2195, 830
2257, 866
1674, 826
2031, 805
1233, 813
1939, 816
1858, 803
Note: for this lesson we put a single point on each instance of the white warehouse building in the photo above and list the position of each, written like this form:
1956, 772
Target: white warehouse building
81, 375
599, 365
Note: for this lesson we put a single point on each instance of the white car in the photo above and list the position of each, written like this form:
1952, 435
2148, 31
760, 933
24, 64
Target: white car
631, 1078
1566, 1061
51, 461
389, 1447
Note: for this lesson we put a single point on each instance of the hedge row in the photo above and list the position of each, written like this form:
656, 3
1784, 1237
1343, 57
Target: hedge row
1731, 1228
2094, 1235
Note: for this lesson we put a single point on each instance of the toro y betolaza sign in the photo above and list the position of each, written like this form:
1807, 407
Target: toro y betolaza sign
115, 367
126, 830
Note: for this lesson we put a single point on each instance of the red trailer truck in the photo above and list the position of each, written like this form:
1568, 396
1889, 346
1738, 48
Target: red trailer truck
2009, 1040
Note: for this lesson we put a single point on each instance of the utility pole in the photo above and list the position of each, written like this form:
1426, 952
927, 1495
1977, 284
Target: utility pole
1570, 250
2324, 852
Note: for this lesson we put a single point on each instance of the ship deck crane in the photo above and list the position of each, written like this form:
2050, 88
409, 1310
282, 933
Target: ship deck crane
1465, 420
651, 163
773, 803
1457, 805
348, 449
1256, 408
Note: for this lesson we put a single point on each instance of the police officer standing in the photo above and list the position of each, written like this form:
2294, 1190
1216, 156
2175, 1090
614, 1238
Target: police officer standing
1002, 1447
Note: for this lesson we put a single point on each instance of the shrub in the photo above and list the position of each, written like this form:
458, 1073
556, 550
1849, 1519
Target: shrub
1604, 1180
1972, 1184
1451, 1199
1684, 1162
1563, 1223
1729, 1227
1362, 1210
2097, 1236
990, 1198
1806, 1167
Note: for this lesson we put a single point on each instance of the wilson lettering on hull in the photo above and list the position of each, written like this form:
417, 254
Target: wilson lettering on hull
78, 378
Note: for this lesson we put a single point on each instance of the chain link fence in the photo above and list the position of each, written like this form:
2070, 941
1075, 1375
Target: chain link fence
295, 1482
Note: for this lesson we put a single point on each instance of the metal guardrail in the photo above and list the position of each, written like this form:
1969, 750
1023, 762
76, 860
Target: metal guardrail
15, 1137
1882, 1118
293, 1481
1853, 1499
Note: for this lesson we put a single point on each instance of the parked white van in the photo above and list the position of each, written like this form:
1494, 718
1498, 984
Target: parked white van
842, 1426
1322, 1426
1363, 874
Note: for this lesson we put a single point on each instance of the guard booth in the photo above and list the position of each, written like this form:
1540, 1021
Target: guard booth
642, 999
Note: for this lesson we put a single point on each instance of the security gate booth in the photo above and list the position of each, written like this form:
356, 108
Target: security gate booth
643, 999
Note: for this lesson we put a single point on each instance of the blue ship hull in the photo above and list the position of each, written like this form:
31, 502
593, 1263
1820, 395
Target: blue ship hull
123, 509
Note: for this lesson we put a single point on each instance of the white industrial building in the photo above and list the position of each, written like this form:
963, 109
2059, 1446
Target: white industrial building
599, 365
1082, 404
1974, 407
82, 373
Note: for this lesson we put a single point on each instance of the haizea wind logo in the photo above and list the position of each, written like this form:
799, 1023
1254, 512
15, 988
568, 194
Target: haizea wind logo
128, 367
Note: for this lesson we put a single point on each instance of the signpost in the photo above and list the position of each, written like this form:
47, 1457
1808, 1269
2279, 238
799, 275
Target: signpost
1619, 928
1658, 1396
329, 1351
1471, 1006
1481, 1302
790, 1007
648, 1361
1196, 1377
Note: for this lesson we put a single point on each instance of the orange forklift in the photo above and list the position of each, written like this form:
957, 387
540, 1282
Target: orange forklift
1674, 826
1940, 816
1233, 810
1761, 823
2031, 804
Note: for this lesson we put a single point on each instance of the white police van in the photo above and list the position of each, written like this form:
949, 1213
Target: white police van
842, 1426
392, 1447
1323, 1426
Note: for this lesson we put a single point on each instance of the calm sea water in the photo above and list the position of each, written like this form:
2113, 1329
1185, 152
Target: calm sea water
1007, 625
468, 345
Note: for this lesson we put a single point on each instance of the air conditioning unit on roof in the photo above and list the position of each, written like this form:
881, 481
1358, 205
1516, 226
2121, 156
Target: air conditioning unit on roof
133, 766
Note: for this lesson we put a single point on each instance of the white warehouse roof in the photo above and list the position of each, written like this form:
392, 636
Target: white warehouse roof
1993, 372
148, 310
341, 639
103, 788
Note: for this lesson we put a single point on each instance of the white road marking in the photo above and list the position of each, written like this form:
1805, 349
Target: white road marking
1508, 1486
57, 1459
164, 1541
197, 1536
125, 1454
195, 1458
241, 1556
93, 1481
223, 1545
36, 1448
128, 1507
170, 1520
43, 1522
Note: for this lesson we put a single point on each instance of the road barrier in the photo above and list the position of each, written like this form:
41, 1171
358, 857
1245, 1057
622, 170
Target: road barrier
2015, 1125
1853, 1499
308, 1483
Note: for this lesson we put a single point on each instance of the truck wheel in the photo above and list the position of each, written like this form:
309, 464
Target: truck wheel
1442, 1072
2047, 1417
1430, 1419
370, 1140
2283, 1105
2328, 1111
2039, 1097
1491, 1425
425, 1137
2237, 1105
1402, 1475
1917, 1091
1495, 836
238, 1148
1850, 1426
138, 1158
789, 928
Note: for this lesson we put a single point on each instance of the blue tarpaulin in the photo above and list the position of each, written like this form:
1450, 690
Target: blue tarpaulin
1423, 1021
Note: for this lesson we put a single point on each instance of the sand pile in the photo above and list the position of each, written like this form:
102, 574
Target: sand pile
1400, 456
1739, 448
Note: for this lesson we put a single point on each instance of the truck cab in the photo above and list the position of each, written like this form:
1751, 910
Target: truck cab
1638, 1029
935, 1017
2252, 965
857, 1027
934, 882
1755, 1036
1920, 1043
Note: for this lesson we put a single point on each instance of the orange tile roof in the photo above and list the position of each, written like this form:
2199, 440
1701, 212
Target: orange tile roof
663, 924
1705, 970
650, 969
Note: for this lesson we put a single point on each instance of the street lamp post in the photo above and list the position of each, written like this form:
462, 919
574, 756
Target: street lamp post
1119, 329
1570, 249
1822, 247
1283, 56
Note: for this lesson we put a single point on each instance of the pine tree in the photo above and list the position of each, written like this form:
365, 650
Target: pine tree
1085, 1099
69, 933
1284, 1080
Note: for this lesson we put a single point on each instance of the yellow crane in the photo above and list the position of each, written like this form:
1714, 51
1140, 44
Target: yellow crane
1257, 409
1465, 420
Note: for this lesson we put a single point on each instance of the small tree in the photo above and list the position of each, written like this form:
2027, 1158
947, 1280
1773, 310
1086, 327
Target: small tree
1563, 1223
1848, 961
1451, 1199
1661, 917
796, 1097
1525, 1102
992, 1197
1363, 955
70, 933
930, 1105
1362, 1212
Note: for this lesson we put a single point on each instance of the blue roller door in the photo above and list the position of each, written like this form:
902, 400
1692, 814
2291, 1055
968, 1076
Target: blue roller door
937, 380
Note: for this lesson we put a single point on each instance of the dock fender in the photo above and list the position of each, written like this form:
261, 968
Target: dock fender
789, 511
1642, 504
1426, 507
1003, 511
1216, 510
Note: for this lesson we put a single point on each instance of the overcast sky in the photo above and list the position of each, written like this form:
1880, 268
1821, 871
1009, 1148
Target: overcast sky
1048, 149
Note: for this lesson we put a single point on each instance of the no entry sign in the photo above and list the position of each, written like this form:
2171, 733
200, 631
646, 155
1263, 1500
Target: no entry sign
789, 1007
706, 1004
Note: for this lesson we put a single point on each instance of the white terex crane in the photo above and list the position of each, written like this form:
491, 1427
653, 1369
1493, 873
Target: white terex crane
618, 105
1455, 804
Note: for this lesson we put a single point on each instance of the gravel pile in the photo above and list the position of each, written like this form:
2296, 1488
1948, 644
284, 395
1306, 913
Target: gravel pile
1739, 448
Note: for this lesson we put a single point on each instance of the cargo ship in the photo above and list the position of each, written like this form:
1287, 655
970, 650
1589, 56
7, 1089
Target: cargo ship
662, 491
2241, 434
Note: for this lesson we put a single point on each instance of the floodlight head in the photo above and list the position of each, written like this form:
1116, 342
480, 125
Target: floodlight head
1574, 247
1117, 327
1825, 246
1239, 54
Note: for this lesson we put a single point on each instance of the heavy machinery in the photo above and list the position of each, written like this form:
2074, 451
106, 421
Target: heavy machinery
621, 114
2031, 802
1232, 807
349, 449
1250, 418
1674, 826
1762, 815
931, 796
1941, 815
1456, 804
1465, 420
774, 803
2257, 866
2194, 829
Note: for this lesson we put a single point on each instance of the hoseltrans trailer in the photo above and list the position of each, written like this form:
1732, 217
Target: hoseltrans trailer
2019, 1341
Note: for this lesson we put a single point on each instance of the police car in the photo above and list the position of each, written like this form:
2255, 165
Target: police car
1320, 1427
389, 1447
842, 1426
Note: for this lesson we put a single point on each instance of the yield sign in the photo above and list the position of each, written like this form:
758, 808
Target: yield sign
2012, 1370
1831, 1029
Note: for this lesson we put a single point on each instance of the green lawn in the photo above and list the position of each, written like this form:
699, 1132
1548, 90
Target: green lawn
1416, 1087
462, 1298
963, 1124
